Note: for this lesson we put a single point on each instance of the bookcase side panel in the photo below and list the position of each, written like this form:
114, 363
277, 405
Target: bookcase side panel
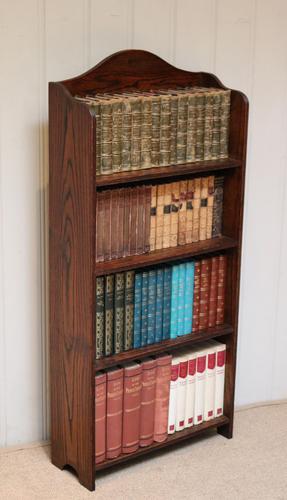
71, 255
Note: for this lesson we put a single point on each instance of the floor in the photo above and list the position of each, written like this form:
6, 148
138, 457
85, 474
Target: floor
253, 465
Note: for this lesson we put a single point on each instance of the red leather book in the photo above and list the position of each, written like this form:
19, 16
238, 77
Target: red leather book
107, 225
120, 222
132, 407
204, 293
115, 389
147, 218
196, 292
148, 401
127, 221
221, 289
140, 223
100, 404
163, 375
114, 223
213, 292
100, 227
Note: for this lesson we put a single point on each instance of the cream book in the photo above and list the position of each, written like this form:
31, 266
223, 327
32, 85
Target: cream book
173, 394
190, 389
199, 385
181, 392
209, 393
219, 378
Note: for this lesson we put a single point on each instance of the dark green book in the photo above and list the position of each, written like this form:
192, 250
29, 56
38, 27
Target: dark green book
119, 312
151, 306
100, 317
109, 314
129, 310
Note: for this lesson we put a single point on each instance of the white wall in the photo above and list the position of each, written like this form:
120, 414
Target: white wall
244, 42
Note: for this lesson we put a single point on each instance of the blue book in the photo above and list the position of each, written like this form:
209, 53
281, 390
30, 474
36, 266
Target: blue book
138, 310
166, 303
174, 301
151, 306
180, 303
144, 308
188, 297
159, 305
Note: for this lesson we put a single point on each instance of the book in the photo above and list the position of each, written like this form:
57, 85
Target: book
182, 213
212, 306
163, 371
109, 314
140, 223
181, 299
215, 145
106, 137
222, 264
196, 209
147, 217
116, 133
165, 119
120, 223
166, 303
115, 389
190, 389
137, 310
210, 203
196, 296
173, 127
200, 122
155, 130
119, 312
208, 122
151, 311
188, 297
127, 222
136, 105
181, 392
100, 317
182, 128
199, 385
126, 134
173, 239
174, 301
209, 393
153, 208
189, 211
167, 215
129, 310
107, 225
144, 308
204, 293
217, 206
147, 401
134, 200
131, 407
203, 209
146, 132
100, 410
224, 124
191, 128
159, 216
220, 379
159, 304
100, 213
173, 394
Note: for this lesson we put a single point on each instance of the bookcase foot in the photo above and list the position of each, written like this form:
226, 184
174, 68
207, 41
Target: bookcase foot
86, 478
226, 430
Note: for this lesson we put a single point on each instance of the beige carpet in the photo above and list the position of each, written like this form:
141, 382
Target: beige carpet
253, 465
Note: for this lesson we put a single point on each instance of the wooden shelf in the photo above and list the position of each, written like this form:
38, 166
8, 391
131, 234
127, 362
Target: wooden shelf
165, 255
177, 437
156, 173
165, 345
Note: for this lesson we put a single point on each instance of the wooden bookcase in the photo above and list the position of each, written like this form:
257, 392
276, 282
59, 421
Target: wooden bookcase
73, 191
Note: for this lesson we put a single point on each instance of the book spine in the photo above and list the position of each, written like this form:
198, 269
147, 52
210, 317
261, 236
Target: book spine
204, 293
218, 207
220, 379
208, 118
159, 305
190, 391
153, 218
222, 264
107, 225
215, 146
180, 300
144, 308
106, 137
127, 221
189, 211
109, 314
155, 141
97, 112
196, 209
136, 106
147, 402
166, 303
165, 119
115, 228
115, 389
146, 132
126, 134
182, 213
147, 218
203, 209
210, 203
100, 227
166, 216
199, 388
131, 408
159, 216
209, 392
100, 317
100, 410
188, 297
119, 313
137, 311
224, 123
116, 134
200, 122
120, 222
129, 310
173, 240
173, 396
181, 395
212, 308
182, 128
174, 302
133, 221
140, 224
151, 306
173, 128
191, 128
196, 296
163, 372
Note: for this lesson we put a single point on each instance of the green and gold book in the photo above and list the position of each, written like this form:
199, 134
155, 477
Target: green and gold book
182, 128
106, 136
126, 134
224, 124
136, 108
109, 314
155, 129
129, 310
117, 112
165, 119
100, 317
215, 146
208, 124
119, 313
191, 127
200, 122
146, 132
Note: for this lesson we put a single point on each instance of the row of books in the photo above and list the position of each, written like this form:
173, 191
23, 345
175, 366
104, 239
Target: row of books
138, 130
135, 309
142, 402
144, 218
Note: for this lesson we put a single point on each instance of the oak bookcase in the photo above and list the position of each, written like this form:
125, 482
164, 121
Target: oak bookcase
73, 270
